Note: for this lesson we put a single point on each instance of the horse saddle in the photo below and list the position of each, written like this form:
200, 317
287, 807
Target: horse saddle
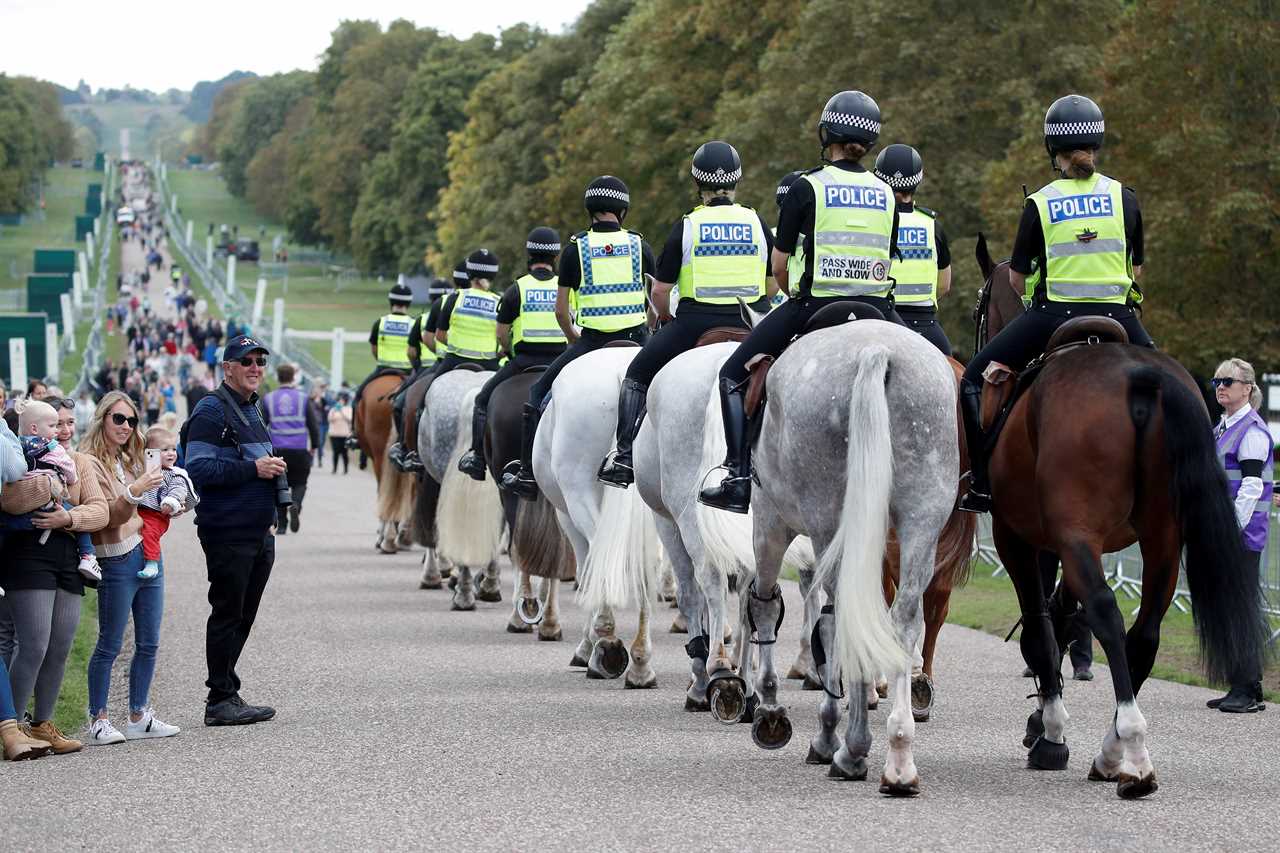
721, 335
999, 394
535, 368
469, 365
613, 344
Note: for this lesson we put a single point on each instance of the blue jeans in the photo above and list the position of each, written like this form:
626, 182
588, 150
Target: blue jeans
6, 695
121, 592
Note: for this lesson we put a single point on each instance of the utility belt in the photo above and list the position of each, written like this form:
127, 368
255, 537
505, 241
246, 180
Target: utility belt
1113, 310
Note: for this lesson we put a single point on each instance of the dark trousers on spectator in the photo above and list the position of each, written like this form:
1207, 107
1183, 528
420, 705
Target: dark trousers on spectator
299, 462
238, 573
338, 444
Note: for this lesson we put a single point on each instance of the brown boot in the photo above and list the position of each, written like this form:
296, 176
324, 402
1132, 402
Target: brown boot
19, 747
61, 744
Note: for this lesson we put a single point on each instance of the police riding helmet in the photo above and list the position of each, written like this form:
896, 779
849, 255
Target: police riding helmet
400, 294
784, 186
850, 116
482, 264
460, 278
716, 165
607, 194
1073, 123
439, 287
900, 167
542, 245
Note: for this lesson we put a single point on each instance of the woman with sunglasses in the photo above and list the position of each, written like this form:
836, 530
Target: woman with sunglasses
1247, 452
115, 441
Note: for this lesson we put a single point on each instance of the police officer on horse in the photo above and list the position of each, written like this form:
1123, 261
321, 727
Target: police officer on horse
389, 343
715, 255
527, 331
795, 265
1078, 252
468, 326
845, 221
602, 276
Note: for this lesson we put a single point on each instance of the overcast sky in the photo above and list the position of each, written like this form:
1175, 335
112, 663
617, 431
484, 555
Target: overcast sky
159, 46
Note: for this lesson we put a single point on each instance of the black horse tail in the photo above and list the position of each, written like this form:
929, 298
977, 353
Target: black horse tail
1226, 599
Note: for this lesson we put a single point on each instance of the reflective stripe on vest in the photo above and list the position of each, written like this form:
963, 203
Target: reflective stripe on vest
536, 322
288, 410
426, 355
1229, 440
611, 295
393, 341
916, 274
795, 268
473, 325
1084, 240
726, 256
853, 224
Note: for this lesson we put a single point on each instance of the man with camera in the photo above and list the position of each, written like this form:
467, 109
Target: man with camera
242, 484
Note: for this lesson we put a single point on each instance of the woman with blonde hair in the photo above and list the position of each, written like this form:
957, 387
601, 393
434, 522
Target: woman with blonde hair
115, 441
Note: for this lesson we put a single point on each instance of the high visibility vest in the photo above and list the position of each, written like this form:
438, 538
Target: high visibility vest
852, 229
611, 295
795, 267
473, 325
426, 355
916, 273
393, 341
536, 322
1229, 441
1084, 242
288, 410
726, 256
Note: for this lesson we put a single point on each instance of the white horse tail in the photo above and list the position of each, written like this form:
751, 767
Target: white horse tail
624, 556
726, 536
799, 557
469, 515
866, 643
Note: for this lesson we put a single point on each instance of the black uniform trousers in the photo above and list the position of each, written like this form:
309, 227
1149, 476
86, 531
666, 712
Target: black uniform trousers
239, 565
518, 363
1025, 338
589, 341
298, 472
925, 321
451, 361
774, 332
678, 336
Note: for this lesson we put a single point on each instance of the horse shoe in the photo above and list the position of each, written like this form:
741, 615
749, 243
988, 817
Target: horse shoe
726, 692
521, 605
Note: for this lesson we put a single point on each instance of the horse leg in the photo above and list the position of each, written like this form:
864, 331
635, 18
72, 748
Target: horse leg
582, 653
387, 537
609, 654
669, 591
490, 586
1161, 554
770, 728
521, 596
937, 603
823, 745
692, 606
640, 674
464, 594
431, 577
549, 627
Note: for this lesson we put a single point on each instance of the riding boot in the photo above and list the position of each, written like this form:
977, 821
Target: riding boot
1243, 699
519, 479
978, 498
734, 492
617, 470
472, 462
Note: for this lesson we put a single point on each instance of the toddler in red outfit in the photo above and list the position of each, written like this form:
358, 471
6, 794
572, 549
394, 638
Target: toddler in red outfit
157, 507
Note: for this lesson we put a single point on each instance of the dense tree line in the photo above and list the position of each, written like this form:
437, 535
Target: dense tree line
33, 133
408, 147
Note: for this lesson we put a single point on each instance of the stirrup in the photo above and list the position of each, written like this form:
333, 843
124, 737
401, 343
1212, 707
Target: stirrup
472, 465
519, 482
975, 502
614, 473
411, 462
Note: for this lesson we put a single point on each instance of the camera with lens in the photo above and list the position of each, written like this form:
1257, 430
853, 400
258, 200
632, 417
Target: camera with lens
284, 497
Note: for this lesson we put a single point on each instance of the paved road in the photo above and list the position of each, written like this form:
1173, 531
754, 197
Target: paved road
403, 725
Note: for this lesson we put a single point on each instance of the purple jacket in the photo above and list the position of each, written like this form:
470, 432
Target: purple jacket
287, 409
1255, 532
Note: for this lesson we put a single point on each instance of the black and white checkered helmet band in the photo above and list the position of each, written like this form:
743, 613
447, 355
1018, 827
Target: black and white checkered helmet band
900, 181
606, 192
717, 178
1074, 128
849, 120
473, 267
543, 248
460, 274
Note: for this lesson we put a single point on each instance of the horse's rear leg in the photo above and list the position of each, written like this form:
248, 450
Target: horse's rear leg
692, 606
640, 674
1161, 555
803, 666
609, 656
937, 603
549, 628
523, 605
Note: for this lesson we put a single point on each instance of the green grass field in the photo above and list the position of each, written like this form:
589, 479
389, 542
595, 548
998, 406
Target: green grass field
151, 127
64, 193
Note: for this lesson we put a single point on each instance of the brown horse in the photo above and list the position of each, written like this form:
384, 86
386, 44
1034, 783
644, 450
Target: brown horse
1112, 445
396, 491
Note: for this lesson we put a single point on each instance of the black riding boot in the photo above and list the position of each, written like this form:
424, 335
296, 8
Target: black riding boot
617, 470
472, 463
518, 479
1242, 699
734, 492
978, 498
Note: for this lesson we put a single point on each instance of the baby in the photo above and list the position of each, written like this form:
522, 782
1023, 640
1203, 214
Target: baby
156, 507
37, 430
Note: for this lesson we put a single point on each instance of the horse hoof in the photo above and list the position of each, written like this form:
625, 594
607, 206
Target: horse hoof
462, 605
816, 757
749, 711
1096, 775
578, 660
430, 585
811, 682
529, 610
519, 628
696, 705
796, 673
680, 625
726, 695
1035, 728
771, 729
490, 595
900, 789
921, 697
1130, 787
549, 636
609, 659
446, 572
848, 770
385, 550
640, 682
882, 688
1047, 755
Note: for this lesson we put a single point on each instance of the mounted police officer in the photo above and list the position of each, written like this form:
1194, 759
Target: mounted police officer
922, 267
795, 265
714, 255
389, 342
527, 331
423, 353
1078, 252
602, 277
468, 326
845, 221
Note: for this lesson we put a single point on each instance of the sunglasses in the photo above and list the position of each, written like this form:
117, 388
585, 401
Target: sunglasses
249, 361
1226, 382
120, 420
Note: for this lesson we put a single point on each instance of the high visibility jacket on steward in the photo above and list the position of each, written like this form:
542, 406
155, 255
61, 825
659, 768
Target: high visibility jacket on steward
611, 295
726, 259
915, 273
537, 323
852, 232
393, 341
473, 325
1086, 254
287, 408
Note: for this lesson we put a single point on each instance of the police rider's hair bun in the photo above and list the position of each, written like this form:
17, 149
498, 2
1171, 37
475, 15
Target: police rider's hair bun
853, 150
1080, 164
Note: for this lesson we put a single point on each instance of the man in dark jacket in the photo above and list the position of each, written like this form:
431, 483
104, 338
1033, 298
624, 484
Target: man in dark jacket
230, 459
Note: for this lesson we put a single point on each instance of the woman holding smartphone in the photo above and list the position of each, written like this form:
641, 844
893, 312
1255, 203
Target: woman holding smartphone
115, 440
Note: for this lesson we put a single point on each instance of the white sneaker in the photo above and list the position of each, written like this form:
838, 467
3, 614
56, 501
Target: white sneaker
148, 726
89, 567
102, 733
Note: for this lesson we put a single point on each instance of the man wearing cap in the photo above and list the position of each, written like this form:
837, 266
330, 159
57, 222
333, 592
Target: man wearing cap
230, 459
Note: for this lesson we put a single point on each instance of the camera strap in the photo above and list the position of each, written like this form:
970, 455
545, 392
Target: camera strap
234, 413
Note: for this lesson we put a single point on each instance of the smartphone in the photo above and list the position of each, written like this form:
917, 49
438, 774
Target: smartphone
153, 459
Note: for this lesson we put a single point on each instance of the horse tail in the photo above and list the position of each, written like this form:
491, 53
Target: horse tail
1226, 599
624, 557
538, 546
469, 513
866, 643
726, 536
954, 562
